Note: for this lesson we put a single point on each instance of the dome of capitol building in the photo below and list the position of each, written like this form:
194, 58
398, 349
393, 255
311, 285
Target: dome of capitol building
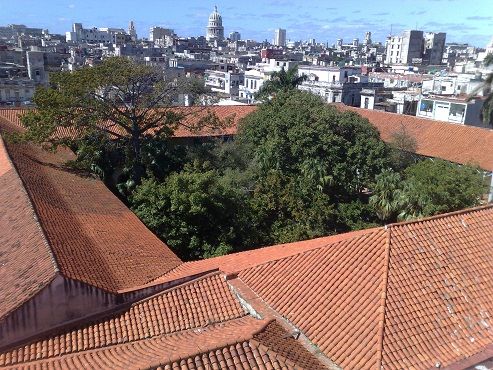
215, 29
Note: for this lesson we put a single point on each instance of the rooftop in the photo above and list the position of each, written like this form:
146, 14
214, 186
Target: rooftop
407, 295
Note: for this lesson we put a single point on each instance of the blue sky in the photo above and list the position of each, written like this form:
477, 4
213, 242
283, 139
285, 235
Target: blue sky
325, 20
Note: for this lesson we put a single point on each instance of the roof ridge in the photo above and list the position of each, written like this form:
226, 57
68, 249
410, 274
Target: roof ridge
383, 298
359, 234
440, 216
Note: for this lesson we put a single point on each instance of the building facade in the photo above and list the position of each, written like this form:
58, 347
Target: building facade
280, 37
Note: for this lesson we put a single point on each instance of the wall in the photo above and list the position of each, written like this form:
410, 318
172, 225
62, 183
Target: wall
63, 302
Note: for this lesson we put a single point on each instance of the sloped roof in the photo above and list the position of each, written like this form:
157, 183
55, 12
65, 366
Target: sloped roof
197, 324
26, 262
92, 235
452, 142
407, 295
445, 140
197, 304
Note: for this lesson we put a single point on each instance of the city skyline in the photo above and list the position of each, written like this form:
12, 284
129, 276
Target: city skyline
322, 20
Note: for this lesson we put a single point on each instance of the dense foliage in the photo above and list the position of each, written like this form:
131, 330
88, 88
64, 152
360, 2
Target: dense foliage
426, 188
120, 100
297, 169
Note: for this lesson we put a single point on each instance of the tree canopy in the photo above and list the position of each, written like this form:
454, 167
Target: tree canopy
119, 100
427, 188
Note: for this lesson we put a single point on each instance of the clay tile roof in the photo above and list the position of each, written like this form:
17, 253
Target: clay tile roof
241, 343
235, 262
196, 304
92, 235
439, 306
26, 262
445, 140
452, 142
332, 294
162, 350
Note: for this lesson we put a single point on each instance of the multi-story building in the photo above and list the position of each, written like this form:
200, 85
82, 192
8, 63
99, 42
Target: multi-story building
215, 29
16, 91
434, 47
224, 83
280, 37
234, 36
406, 48
335, 84
95, 35
160, 33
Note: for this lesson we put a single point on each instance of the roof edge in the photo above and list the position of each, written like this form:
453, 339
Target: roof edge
441, 215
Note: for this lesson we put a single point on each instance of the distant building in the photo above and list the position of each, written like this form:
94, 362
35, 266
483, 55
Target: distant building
368, 38
95, 35
434, 47
225, 83
335, 84
235, 36
158, 33
455, 110
406, 48
280, 37
35, 67
215, 29
132, 32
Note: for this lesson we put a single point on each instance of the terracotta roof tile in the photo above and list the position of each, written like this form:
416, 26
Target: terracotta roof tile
332, 294
244, 343
160, 350
439, 306
92, 235
197, 304
236, 262
437, 139
26, 262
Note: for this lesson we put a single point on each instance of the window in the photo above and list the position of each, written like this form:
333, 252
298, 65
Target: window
367, 102
426, 106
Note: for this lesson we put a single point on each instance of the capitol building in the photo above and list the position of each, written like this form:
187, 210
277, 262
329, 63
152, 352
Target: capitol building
215, 29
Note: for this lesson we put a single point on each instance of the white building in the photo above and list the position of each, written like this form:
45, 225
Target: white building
449, 109
95, 35
334, 84
160, 33
215, 29
256, 77
225, 83
405, 49
280, 37
459, 84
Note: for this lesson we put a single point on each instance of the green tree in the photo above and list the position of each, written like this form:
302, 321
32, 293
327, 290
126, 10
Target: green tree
427, 188
193, 212
280, 81
308, 159
435, 186
118, 100
387, 197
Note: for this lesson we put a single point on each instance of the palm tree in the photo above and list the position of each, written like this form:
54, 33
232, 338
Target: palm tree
387, 196
280, 81
487, 88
